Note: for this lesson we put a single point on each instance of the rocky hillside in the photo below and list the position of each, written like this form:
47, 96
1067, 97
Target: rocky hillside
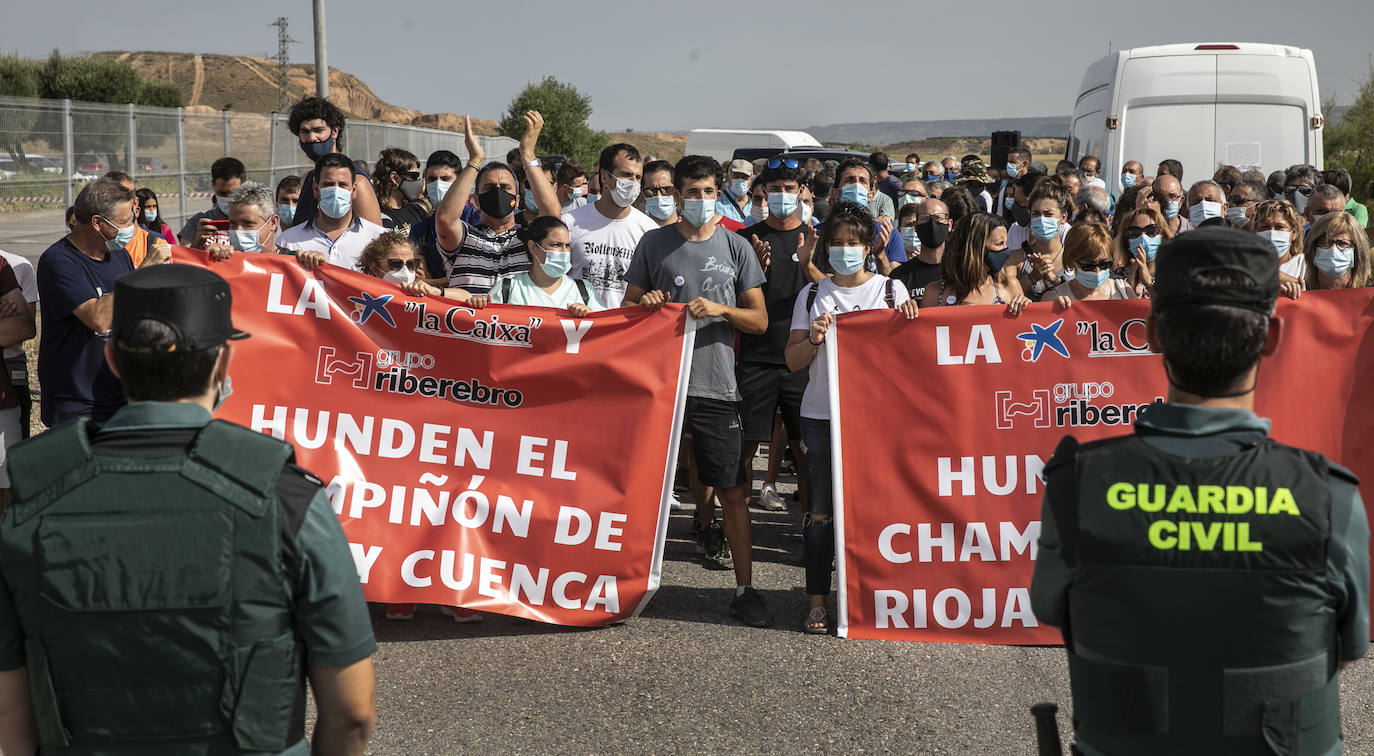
250, 84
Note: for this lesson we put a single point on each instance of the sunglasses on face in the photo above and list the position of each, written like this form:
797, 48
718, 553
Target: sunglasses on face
394, 264
662, 191
409, 175
1099, 265
1303, 190
775, 162
913, 193
1134, 232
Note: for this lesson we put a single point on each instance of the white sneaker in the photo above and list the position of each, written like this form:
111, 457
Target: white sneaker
770, 500
674, 503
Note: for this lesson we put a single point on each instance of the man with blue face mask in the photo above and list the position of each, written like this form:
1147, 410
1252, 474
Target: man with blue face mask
766, 385
319, 126
226, 175
76, 281
854, 183
733, 202
1207, 204
1018, 165
336, 232
717, 275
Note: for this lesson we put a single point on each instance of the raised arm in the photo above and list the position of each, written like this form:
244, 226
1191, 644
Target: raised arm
544, 195
448, 217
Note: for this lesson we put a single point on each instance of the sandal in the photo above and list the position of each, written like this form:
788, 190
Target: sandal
817, 621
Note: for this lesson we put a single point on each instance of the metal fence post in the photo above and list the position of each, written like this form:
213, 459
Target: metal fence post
227, 149
272, 151
68, 156
181, 160
132, 152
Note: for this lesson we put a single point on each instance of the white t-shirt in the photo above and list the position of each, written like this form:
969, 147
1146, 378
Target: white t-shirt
870, 295
602, 248
342, 252
1295, 267
28, 284
523, 291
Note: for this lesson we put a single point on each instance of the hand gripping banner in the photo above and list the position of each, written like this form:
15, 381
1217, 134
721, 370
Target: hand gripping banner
509, 459
941, 427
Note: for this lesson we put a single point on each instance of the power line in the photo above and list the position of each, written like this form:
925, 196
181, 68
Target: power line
283, 59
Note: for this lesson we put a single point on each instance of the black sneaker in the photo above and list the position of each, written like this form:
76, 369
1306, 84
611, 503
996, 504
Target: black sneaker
698, 535
717, 549
750, 608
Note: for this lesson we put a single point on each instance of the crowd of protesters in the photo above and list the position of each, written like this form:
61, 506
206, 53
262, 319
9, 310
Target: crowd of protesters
764, 253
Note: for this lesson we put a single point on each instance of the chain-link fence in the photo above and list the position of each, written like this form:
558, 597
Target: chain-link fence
50, 148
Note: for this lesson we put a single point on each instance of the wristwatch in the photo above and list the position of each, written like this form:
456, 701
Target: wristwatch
533, 163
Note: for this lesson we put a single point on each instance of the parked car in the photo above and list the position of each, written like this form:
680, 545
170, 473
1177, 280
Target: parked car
8, 168
43, 163
151, 164
91, 163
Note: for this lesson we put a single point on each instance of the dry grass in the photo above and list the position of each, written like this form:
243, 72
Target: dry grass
662, 146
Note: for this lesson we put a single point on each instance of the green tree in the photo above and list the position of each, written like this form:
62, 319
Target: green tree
565, 112
1349, 143
18, 78
103, 80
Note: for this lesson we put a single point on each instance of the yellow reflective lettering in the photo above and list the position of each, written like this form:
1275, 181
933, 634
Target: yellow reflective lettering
1261, 500
1228, 536
1244, 542
1210, 499
1283, 503
1206, 534
1182, 500
1185, 537
1121, 496
1239, 500
1159, 541
1143, 497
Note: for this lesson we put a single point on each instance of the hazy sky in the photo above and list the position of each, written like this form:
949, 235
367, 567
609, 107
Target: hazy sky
653, 65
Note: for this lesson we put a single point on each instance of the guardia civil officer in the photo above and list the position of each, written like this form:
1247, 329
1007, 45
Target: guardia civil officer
168, 582
1209, 582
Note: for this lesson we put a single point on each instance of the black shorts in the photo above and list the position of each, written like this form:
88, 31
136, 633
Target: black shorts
764, 389
716, 440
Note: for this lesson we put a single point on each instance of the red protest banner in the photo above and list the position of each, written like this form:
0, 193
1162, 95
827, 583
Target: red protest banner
938, 494
511, 459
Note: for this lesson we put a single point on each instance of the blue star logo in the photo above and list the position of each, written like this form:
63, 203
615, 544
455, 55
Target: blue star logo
1041, 338
369, 305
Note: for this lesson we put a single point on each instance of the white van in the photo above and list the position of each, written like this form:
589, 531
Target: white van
1205, 105
722, 143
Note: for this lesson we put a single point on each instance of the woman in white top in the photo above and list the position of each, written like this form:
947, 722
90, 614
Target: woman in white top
1088, 253
846, 236
1279, 224
546, 283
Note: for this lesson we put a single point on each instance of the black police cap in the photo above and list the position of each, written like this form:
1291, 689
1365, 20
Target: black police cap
1184, 258
191, 301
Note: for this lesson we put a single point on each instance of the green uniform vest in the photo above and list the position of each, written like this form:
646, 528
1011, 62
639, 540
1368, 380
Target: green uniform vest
152, 595
1200, 617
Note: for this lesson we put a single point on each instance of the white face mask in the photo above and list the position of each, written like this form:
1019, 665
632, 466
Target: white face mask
804, 211
625, 193
402, 277
222, 203
759, 212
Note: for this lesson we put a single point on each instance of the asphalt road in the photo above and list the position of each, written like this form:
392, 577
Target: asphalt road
685, 678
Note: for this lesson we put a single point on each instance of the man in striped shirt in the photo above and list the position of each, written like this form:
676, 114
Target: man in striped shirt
474, 255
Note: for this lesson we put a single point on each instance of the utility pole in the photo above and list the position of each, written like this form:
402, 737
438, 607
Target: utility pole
321, 59
283, 59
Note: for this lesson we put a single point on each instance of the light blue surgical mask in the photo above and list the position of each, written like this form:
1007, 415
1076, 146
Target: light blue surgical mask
846, 260
739, 187
782, 204
1203, 210
855, 193
556, 262
122, 236
1150, 245
149, 216
1012, 171
910, 167
660, 208
1008, 202
1091, 279
245, 241
1333, 261
1281, 240
1316, 217
1044, 228
287, 213
910, 241
593, 198
335, 201
437, 189
222, 203
1128, 180
1171, 209
698, 212
530, 204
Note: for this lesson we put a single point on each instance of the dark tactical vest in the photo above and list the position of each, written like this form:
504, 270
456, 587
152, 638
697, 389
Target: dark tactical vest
1196, 623
151, 593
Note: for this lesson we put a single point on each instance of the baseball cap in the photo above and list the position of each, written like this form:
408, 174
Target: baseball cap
1210, 250
740, 166
191, 301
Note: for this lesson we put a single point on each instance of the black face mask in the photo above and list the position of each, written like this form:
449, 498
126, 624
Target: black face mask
996, 260
1020, 214
931, 234
496, 202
